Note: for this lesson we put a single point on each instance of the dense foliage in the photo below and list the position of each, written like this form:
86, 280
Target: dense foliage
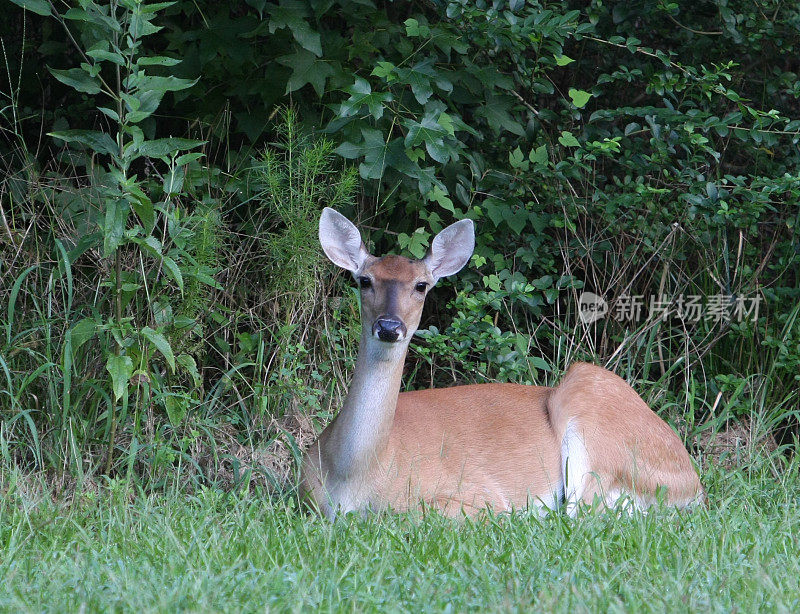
164, 166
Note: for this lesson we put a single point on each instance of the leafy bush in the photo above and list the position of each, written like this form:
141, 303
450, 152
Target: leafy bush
625, 148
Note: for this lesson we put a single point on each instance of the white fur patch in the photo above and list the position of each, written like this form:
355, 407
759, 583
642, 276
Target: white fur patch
574, 467
546, 504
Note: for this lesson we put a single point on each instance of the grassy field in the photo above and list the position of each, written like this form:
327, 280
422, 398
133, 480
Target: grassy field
112, 549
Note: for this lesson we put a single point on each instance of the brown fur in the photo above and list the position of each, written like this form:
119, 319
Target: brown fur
469, 447
630, 447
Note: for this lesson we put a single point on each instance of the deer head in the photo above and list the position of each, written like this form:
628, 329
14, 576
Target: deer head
393, 288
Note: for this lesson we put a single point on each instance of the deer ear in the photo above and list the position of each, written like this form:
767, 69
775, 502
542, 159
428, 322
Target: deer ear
341, 240
451, 249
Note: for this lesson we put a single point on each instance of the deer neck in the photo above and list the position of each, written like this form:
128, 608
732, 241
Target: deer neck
360, 432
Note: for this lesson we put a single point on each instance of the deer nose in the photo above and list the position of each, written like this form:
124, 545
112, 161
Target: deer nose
389, 329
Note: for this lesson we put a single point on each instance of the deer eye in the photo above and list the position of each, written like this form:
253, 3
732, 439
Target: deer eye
364, 282
421, 286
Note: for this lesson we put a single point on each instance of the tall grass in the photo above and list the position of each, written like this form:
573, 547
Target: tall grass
245, 325
274, 341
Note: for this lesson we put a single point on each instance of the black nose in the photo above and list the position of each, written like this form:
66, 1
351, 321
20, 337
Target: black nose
388, 329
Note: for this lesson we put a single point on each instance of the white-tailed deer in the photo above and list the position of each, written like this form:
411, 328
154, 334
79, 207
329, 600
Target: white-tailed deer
463, 449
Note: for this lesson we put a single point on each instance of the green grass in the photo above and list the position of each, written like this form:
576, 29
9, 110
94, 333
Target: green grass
112, 550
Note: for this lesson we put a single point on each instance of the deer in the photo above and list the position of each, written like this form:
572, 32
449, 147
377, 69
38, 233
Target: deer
469, 448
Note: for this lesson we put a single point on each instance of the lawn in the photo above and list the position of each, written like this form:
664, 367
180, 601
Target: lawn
112, 549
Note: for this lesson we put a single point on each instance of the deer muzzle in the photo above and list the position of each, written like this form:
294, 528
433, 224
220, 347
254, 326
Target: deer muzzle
389, 329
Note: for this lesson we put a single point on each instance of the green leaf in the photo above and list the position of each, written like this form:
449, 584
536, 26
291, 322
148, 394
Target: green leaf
349, 150
289, 15
496, 110
446, 122
117, 210
632, 43
516, 220
141, 104
189, 364
158, 60
397, 157
494, 209
539, 363
121, 369
176, 406
93, 16
150, 245
563, 60
440, 196
204, 278
541, 283
430, 132
184, 322
77, 79
374, 154
164, 148
85, 243
384, 70
664, 57
188, 158
154, 7
361, 94
173, 180
579, 97
109, 112
141, 82
161, 344
174, 270
140, 25
40, 7
414, 28
83, 331
492, 282
567, 139
144, 210
416, 243
102, 54
419, 77
517, 159
306, 68
426, 130
539, 156
99, 142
